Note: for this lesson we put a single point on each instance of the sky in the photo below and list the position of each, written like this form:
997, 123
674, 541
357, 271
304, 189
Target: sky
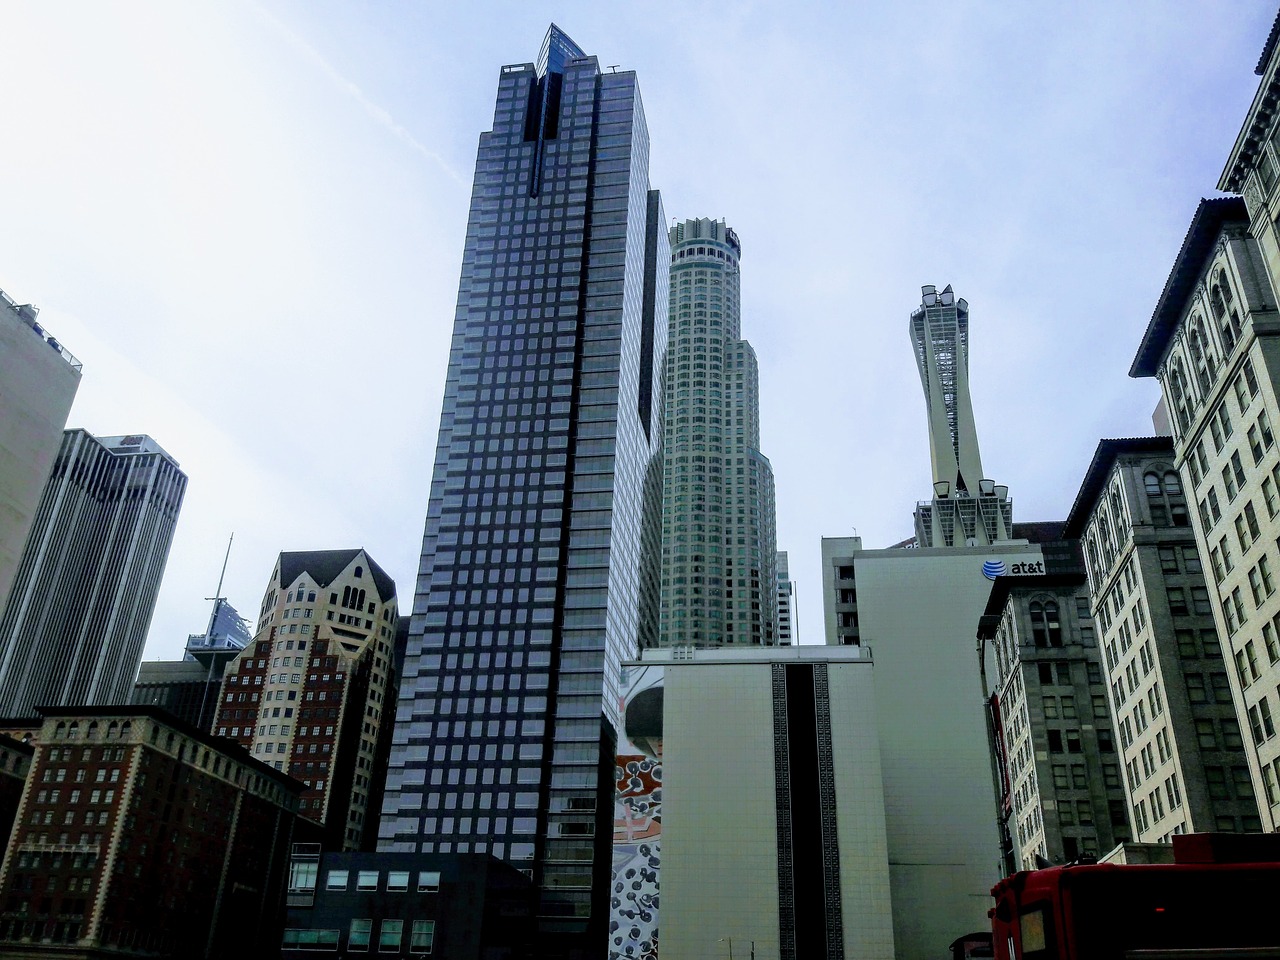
246, 219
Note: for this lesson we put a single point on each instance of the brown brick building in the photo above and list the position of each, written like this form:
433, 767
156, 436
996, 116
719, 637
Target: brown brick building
139, 835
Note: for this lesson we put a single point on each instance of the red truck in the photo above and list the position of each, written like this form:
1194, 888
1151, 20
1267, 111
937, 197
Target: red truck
1219, 898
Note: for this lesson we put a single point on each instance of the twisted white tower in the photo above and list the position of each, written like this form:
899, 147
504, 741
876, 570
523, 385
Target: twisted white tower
967, 509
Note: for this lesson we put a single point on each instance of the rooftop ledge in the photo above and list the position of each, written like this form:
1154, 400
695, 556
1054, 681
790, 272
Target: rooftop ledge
27, 313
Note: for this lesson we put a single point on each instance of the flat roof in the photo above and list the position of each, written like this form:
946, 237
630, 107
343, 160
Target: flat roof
224, 745
807, 652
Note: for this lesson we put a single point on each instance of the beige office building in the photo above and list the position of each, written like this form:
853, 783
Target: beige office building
749, 792
313, 693
917, 611
1214, 344
1185, 769
38, 381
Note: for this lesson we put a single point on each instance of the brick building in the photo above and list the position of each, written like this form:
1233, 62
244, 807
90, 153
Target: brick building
139, 835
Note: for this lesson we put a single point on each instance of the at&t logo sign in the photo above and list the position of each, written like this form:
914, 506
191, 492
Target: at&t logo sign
998, 568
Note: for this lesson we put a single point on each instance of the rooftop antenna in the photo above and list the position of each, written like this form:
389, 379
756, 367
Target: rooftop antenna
613, 67
218, 600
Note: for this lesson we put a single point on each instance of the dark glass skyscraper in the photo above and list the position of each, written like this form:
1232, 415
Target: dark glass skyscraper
539, 568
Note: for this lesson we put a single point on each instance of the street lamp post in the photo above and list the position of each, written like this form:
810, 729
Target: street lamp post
728, 940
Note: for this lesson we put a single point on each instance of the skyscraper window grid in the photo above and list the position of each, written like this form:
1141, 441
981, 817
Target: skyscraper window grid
539, 562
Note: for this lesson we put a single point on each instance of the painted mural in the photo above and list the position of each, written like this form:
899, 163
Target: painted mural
637, 818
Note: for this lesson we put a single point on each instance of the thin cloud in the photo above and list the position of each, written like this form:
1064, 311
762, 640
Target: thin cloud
375, 111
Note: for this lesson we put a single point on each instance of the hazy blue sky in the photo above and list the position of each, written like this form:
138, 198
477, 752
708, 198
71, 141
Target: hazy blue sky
247, 221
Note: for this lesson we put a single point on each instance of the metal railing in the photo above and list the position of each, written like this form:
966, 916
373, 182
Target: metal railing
27, 313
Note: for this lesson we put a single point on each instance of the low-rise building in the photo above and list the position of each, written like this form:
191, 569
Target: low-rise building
748, 794
450, 906
139, 835
917, 610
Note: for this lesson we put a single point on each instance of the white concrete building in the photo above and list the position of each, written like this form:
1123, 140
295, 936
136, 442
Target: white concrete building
918, 610
38, 382
749, 792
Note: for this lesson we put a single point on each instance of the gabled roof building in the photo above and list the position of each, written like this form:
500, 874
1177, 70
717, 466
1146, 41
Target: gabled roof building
311, 692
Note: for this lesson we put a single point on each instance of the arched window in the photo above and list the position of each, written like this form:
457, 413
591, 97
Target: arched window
1200, 353
1178, 388
1172, 484
1217, 303
1224, 309
359, 572
1039, 629
1054, 624
1152, 483
1046, 628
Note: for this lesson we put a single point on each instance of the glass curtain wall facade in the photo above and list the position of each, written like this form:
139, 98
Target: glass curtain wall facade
539, 570
719, 552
